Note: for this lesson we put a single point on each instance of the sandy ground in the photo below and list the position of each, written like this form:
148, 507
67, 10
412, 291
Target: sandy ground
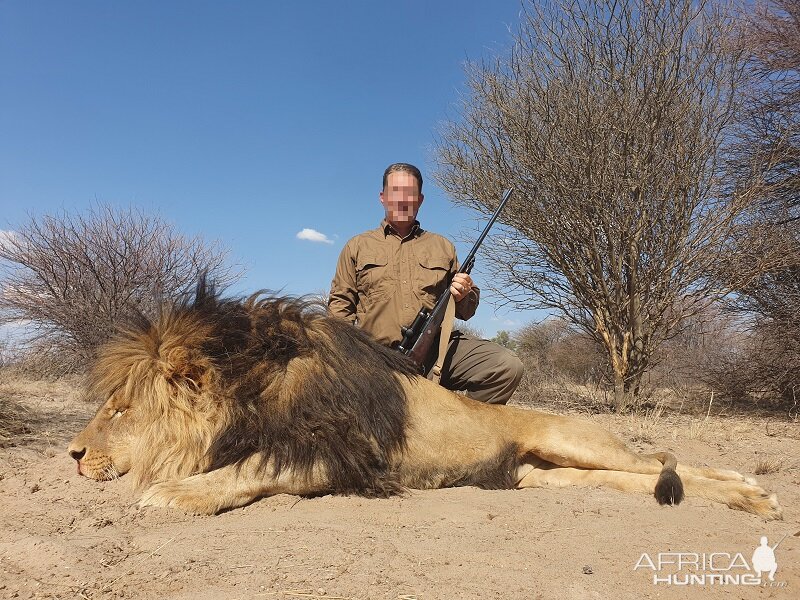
63, 536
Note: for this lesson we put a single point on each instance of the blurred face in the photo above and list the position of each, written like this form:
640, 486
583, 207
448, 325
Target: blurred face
401, 198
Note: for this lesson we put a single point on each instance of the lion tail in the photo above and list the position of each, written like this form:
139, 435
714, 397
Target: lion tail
669, 487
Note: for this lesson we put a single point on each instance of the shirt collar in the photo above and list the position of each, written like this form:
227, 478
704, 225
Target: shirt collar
387, 229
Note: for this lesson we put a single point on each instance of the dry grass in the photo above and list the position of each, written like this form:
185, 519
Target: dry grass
561, 396
649, 424
32, 411
13, 420
766, 465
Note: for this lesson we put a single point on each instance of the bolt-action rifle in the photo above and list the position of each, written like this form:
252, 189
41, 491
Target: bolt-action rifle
420, 335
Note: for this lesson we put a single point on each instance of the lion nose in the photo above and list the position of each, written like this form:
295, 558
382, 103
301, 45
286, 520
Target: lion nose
77, 454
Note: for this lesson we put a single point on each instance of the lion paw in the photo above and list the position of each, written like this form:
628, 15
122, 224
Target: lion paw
756, 500
184, 494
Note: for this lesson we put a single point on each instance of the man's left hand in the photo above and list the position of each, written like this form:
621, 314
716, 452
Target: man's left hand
460, 286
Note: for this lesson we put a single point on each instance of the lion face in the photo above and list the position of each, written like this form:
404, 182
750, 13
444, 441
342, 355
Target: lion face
103, 449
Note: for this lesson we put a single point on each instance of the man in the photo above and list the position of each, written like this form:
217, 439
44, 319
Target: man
384, 276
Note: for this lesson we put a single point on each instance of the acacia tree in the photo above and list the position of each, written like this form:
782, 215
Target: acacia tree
74, 278
607, 118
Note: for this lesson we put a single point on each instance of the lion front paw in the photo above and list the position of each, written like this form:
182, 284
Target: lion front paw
190, 495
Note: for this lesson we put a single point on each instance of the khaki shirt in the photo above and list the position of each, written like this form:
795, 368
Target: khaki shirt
382, 281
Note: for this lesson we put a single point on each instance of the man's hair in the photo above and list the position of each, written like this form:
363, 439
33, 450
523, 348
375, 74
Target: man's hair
403, 167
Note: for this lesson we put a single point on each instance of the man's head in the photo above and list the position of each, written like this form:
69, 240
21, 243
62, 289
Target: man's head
402, 194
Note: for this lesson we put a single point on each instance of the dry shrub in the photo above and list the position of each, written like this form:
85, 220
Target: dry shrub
73, 278
553, 349
763, 259
467, 329
563, 368
13, 421
763, 370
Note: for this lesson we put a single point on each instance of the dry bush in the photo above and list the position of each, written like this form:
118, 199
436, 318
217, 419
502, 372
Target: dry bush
698, 349
762, 370
42, 361
13, 416
563, 368
75, 278
553, 349
467, 329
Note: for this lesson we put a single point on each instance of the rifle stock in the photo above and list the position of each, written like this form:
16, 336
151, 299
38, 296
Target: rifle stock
420, 335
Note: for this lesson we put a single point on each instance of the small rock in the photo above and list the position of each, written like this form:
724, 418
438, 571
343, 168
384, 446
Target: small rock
587, 570
35, 488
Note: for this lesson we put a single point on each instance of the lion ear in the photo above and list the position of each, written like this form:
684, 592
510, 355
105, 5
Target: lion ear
186, 371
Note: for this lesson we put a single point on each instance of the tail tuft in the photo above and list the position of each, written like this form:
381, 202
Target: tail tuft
669, 488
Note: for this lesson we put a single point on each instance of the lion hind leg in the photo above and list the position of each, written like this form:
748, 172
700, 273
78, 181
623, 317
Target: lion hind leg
735, 494
570, 442
559, 477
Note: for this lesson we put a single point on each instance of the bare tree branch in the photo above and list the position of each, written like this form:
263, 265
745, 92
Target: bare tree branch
608, 118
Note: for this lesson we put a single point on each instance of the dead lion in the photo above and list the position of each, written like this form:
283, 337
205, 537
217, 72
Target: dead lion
220, 402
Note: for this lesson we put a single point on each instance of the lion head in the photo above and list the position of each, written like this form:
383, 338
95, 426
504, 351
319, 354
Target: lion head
157, 391
214, 381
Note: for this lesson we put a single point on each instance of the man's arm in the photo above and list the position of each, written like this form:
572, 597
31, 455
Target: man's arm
467, 306
343, 298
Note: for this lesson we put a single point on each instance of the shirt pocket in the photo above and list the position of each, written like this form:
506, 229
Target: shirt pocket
432, 276
371, 272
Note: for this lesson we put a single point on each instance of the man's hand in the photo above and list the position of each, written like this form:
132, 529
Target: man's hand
460, 286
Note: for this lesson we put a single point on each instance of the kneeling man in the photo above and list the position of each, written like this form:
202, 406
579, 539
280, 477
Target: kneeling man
385, 275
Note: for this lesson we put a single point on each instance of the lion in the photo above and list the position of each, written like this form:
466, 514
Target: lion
221, 401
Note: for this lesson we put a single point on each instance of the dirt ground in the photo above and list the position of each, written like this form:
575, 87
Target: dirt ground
63, 536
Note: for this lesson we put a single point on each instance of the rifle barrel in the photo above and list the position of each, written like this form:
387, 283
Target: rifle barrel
471, 256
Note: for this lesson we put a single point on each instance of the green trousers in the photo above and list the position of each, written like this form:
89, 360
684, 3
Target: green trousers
481, 369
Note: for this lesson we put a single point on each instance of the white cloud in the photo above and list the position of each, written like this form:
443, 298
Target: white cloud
312, 235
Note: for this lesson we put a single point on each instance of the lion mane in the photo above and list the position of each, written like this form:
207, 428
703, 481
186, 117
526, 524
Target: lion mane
219, 380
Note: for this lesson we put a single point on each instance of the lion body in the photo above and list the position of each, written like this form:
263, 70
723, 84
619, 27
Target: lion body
220, 402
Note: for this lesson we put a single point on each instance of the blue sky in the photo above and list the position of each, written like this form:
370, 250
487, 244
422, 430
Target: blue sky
244, 122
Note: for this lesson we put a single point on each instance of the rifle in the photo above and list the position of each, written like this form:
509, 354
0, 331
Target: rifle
420, 335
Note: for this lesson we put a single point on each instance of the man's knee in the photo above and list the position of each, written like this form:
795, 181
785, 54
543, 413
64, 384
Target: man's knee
511, 370
501, 377
515, 369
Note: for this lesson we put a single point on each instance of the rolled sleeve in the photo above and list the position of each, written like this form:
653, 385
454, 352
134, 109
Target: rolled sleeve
467, 306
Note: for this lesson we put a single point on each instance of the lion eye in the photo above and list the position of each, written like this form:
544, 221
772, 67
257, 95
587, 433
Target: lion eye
119, 412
